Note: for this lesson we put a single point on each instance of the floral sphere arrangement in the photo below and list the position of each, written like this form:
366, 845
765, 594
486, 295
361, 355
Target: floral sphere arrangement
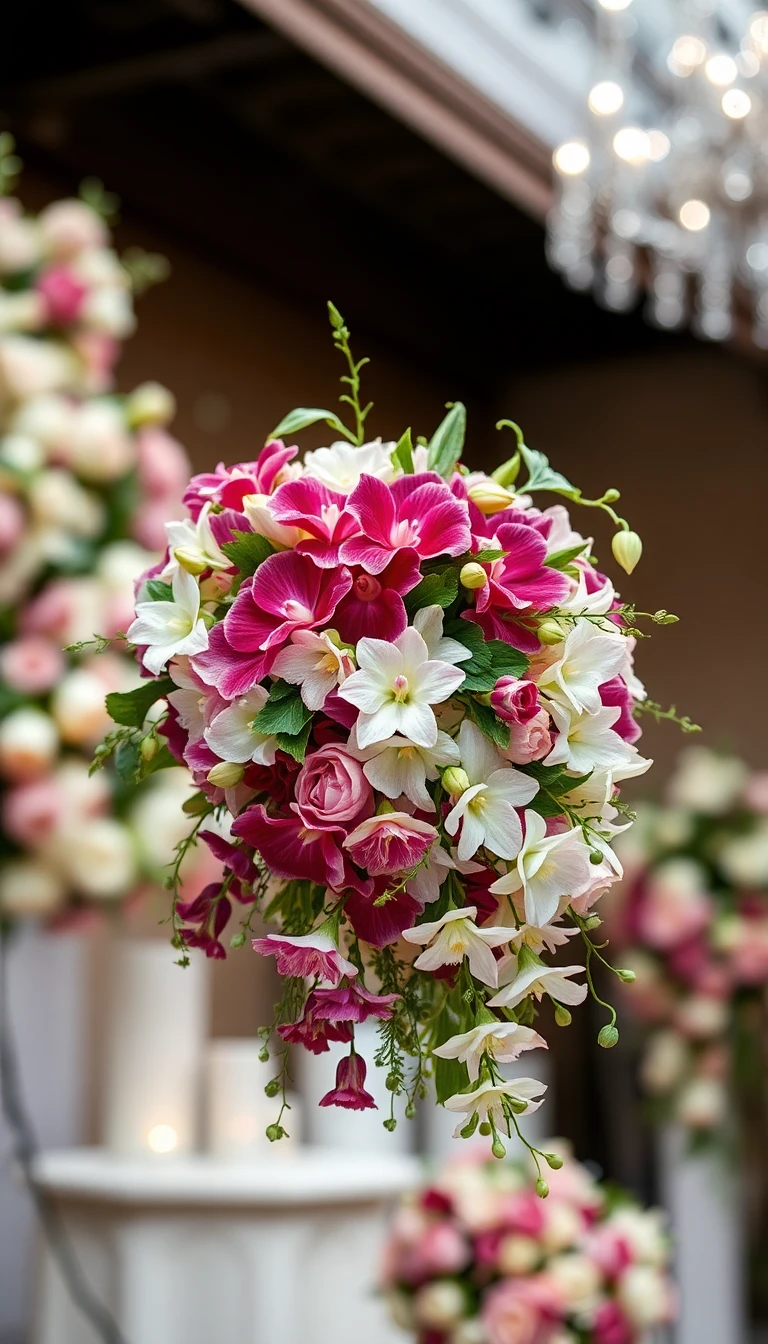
476, 1258
694, 927
87, 480
413, 692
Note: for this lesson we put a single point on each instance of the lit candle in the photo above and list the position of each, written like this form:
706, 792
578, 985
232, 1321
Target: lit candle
155, 1041
237, 1110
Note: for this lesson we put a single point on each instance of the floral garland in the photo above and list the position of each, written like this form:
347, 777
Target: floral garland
87, 479
694, 927
414, 694
475, 1258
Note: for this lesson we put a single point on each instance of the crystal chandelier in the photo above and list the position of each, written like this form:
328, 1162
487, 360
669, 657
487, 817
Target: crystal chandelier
668, 191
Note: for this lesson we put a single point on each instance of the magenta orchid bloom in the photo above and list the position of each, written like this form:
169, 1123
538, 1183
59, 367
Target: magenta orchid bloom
329, 1015
309, 955
519, 586
287, 593
314, 508
208, 914
416, 512
312, 1032
231, 672
230, 485
374, 606
293, 851
349, 1091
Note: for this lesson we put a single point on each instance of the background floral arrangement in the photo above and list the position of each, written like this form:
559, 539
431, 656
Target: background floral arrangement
694, 925
413, 693
87, 479
476, 1258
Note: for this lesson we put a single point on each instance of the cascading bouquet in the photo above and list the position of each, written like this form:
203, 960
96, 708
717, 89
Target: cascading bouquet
694, 927
86, 483
413, 692
475, 1258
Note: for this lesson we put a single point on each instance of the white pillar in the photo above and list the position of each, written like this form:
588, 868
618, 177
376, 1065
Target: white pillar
701, 1193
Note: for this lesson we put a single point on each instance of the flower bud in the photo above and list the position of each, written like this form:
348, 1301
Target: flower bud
490, 496
554, 1160
608, 1037
542, 1189
455, 781
225, 775
150, 404
472, 575
275, 1132
498, 1148
272, 1088
592, 922
189, 560
508, 472
627, 549
484, 1128
149, 747
628, 977
562, 1017
550, 631
390, 1124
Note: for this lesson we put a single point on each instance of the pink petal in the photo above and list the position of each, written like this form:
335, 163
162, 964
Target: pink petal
380, 925
373, 556
383, 618
286, 577
443, 520
248, 626
231, 672
372, 504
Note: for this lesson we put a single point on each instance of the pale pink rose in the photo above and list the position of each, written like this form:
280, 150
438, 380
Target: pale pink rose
441, 1249
11, 522
521, 1311
71, 226
529, 741
392, 843
163, 465
756, 792
148, 525
676, 906
32, 813
98, 353
331, 790
515, 701
31, 664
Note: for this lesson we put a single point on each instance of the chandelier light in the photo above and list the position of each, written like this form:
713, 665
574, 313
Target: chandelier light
678, 208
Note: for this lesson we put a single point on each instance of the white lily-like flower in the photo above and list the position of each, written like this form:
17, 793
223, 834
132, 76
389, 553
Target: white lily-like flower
170, 628
486, 810
395, 688
429, 623
487, 1102
505, 1041
315, 663
540, 980
425, 884
194, 703
193, 546
598, 603
232, 736
548, 867
585, 661
587, 741
549, 936
397, 767
592, 800
341, 466
456, 936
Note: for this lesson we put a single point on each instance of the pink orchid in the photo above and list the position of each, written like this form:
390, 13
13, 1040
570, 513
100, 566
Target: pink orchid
63, 295
416, 512
288, 592
352, 1003
230, 485
391, 843
231, 672
349, 1091
290, 849
519, 586
616, 694
311, 506
308, 956
374, 606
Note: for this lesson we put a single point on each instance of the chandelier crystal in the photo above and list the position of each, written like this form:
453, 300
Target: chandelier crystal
668, 191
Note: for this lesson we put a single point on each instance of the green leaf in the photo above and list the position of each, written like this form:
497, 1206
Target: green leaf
303, 416
155, 590
490, 660
439, 589
247, 550
130, 708
404, 453
488, 722
484, 557
471, 636
506, 661
447, 442
562, 559
295, 746
284, 712
554, 783
450, 1075
541, 476
128, 762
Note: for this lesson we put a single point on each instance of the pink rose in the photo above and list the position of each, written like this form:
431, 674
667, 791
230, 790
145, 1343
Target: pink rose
674, 911
163, 465
520, 1311
63, 294
442, 1249
331, 790
529, 741
515, 701
11, 522
31, 813
392, 843
31, 664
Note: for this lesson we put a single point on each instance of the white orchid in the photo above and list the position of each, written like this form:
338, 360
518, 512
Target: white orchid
193, 702
539, 980
583, 603
587, 741
425, 885
548, 867
398, 767
486, 810
231, 734
455, 936
170, 628
429, 623
536, 937
341, 466
488, 1102
193, 546
586, 660
592, 800
314, 663
395, 688
505, 1041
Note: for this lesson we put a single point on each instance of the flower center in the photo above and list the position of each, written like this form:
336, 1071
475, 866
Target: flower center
328, 663
404, 533
330, 514
406, 753
296, 611
400, 688
180, 625
478, 803
456, 944
367, 588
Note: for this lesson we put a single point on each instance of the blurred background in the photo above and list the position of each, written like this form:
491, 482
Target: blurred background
396, 156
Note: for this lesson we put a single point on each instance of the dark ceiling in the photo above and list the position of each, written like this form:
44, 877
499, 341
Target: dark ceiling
212, 126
